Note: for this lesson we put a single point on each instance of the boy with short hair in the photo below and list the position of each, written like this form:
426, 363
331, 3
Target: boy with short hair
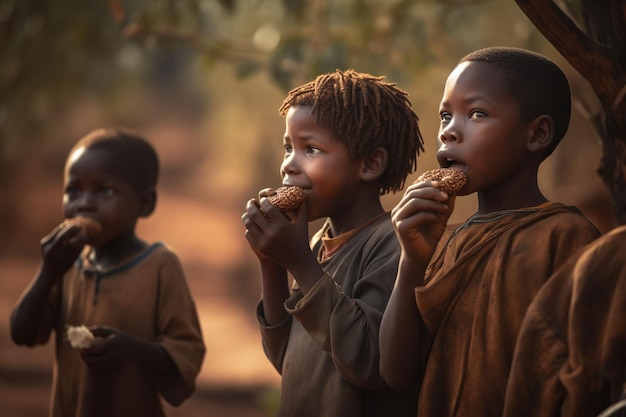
132, 295
350, 137
451, 324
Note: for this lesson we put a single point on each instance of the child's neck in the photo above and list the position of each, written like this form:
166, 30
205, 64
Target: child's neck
118, 250
509, 198
351, 219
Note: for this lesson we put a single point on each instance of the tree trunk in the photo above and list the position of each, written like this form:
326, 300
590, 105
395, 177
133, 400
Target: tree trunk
599, 55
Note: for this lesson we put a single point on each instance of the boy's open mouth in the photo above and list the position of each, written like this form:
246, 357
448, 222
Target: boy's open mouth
447, 163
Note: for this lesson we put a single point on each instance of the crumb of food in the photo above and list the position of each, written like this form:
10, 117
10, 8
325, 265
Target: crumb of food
80, 337
287, 198
450, 180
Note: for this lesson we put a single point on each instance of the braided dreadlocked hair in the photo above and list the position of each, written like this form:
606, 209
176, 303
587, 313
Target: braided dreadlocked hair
364, 113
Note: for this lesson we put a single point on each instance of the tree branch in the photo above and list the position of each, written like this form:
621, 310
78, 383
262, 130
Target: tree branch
590, 59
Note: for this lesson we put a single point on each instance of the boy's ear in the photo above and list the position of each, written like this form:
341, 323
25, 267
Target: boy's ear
375, 164
148, 203
542, 133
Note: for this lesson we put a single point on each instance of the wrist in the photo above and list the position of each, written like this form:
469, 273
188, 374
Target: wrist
411, 272
47, 277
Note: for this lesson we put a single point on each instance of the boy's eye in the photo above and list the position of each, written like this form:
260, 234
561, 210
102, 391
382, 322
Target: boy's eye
72, 192
445, 116
475, 114
288, 148
106, 191
313, 150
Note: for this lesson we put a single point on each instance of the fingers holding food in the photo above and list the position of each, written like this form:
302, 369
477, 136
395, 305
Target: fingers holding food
287, 198
450, 180
91, 227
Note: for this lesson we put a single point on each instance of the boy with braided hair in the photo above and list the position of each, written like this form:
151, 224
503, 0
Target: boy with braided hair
350, 138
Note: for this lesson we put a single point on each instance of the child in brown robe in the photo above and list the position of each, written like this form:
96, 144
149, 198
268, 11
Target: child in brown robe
132, 295
570, 358
349, 138
450, 328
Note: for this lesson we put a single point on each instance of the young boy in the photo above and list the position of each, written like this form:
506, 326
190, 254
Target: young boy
461, 292
570, 358
350, 137
132, 295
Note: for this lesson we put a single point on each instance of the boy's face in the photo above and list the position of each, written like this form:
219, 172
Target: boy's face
481, 132
93, 189
320, 163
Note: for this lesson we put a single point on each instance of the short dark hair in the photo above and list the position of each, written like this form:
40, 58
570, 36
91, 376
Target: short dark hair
536, 82
364, 112
136, 159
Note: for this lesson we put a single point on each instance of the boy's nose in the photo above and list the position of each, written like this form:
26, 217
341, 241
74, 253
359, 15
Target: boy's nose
85, 202
449, 134
289, 165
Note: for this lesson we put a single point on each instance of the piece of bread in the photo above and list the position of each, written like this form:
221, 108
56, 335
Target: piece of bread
80, 337
91, 227
450, 180
287, 198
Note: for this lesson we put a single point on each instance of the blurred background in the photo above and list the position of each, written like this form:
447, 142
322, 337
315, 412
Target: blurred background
203, 80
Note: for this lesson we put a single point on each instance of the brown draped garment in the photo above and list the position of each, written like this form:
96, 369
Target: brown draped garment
478, 286
570, 359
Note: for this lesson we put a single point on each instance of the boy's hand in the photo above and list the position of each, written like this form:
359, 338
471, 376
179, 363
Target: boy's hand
252, 211
112, 347
420, 219
60, 248
275, 237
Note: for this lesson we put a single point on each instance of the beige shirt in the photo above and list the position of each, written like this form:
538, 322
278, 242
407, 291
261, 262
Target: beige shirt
147, 297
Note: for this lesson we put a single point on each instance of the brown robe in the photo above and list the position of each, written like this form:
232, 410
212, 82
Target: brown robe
147, 297
327, 350
570, 359
477, 289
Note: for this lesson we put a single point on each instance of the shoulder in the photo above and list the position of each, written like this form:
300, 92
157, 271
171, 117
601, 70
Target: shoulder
613, 239
379, 240
570, 215
566, 220
163, 255
162, 249
593, 268
598, 261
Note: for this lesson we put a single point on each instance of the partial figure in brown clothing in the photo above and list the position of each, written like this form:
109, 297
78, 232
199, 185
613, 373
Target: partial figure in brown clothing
450, 327
130, 297
349, 138
570, 358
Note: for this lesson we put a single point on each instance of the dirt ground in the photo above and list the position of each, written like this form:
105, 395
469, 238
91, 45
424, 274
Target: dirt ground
236, 380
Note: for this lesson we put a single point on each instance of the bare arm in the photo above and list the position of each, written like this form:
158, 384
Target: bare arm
400, 331
419, 220
31, 319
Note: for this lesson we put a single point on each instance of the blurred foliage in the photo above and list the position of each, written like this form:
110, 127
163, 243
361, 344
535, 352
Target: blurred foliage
57, 57
50, 51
